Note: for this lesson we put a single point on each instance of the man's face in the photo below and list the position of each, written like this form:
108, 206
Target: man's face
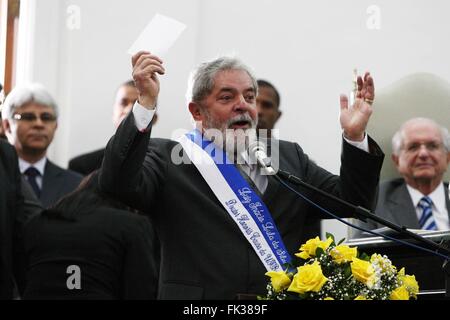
422, 157
33, 128
267, 106
125, 98
230, 107
231, 104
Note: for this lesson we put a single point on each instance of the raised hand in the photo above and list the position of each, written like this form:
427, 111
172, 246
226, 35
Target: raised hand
145, 69
354, 118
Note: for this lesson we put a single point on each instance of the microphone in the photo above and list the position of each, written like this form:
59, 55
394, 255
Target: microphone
257, 151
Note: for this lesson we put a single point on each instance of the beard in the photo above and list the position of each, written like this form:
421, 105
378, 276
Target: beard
233, 141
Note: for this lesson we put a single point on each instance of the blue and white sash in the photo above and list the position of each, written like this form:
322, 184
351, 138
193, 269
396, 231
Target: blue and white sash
239, 200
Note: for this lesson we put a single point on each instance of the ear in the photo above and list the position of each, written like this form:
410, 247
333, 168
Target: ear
279, 115
6, 126
448, 158
395, 159
196, 111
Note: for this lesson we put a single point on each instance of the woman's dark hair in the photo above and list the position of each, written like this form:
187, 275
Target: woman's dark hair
86, 198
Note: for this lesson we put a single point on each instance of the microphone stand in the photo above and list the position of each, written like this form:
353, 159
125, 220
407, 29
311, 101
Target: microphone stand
364, 214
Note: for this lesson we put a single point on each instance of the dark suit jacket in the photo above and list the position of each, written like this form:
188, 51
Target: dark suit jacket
113, 249
203, 254
88, 162
14, 211
56, 183
395, 204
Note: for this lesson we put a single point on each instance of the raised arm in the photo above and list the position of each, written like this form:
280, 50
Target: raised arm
354, 118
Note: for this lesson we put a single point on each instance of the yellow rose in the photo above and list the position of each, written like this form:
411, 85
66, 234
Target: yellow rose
328, 298
308, 278
342, 254
409, 282
360, 297
280, 280
400, 294
309, 248
363, 271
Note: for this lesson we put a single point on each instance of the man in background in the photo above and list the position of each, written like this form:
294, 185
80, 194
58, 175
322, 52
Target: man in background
268, 106
420, 198
126, 96
30, 120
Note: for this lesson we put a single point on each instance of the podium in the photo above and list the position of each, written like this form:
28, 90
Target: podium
427, 268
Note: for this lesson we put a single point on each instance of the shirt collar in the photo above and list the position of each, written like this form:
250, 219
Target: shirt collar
40, 165
437, 196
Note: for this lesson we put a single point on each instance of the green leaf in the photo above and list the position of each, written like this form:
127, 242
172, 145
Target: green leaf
329, 235
342, 240
348, 271
364, 256
319, 252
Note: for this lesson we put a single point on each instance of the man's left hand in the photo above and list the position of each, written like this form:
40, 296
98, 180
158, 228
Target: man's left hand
354, 118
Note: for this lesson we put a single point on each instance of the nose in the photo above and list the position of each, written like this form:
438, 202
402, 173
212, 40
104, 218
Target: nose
242, 105
423, 151
38, 122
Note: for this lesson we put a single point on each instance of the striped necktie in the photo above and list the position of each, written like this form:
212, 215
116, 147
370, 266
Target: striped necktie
426, 220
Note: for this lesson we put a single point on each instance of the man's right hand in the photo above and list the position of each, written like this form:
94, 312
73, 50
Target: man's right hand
145, 69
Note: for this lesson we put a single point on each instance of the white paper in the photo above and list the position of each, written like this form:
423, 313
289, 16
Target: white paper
159, 35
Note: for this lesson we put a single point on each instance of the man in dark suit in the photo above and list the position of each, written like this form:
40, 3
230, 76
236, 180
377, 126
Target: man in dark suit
205, 254
126, 96
30, 120
421, 153
17, 204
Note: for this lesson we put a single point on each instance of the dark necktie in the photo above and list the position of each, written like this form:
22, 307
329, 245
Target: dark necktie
31, 173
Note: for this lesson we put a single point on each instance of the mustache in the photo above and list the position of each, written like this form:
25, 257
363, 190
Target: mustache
241, 118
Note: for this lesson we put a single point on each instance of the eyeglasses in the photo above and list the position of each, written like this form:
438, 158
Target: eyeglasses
31, 117
430, 146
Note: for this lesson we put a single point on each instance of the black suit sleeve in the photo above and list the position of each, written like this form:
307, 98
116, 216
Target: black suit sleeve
357, 182
131, 170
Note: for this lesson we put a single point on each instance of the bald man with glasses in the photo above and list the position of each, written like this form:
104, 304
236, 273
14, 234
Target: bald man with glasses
30, 121
420, 198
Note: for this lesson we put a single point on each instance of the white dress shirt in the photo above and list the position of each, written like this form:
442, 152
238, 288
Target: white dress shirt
40, 166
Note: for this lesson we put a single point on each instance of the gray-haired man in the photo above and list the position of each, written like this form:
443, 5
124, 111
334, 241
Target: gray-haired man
30, 120
223, 225
419, 199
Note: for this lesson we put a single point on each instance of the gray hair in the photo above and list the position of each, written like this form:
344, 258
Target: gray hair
201, 81
397, 139
22, 95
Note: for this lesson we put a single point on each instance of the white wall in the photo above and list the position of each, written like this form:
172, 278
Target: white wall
307, 49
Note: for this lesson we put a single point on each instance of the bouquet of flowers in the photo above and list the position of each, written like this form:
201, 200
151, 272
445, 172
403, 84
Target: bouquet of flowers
330, 271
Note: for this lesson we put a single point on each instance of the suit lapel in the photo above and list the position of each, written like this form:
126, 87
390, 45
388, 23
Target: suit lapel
50, 185
447, 199
401, 208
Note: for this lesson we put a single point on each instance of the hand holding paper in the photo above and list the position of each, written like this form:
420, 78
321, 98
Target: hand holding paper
145, 69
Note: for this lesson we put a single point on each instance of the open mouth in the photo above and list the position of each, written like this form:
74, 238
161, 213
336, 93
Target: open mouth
241, 124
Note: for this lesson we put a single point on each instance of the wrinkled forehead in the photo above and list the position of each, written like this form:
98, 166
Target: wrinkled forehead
237, 79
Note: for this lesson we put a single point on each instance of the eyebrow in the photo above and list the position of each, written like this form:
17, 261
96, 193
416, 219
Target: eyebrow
230, 89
